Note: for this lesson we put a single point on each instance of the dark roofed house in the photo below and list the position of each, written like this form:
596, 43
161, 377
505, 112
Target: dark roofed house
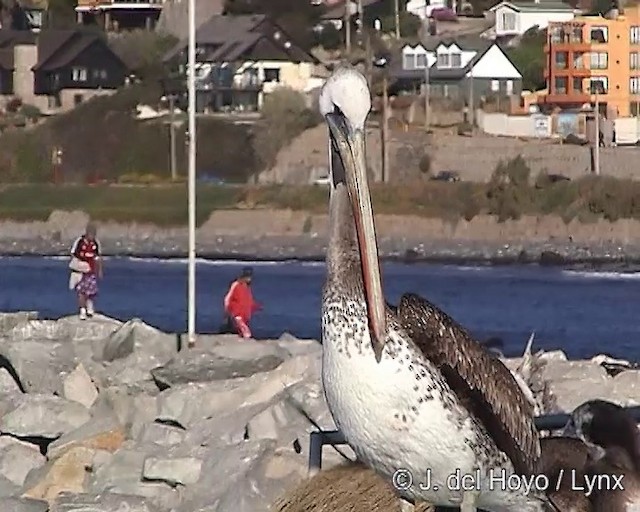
242, 58
455, 64
57, 69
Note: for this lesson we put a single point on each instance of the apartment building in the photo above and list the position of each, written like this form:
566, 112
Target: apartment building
595, 55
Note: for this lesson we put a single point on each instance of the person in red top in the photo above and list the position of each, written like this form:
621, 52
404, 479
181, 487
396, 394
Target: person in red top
239, 304
87, 249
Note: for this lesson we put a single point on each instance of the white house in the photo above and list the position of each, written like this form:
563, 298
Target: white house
452, 64
515, 18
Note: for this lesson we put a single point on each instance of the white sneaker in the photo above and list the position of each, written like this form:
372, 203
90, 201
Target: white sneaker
90, 310
83, 314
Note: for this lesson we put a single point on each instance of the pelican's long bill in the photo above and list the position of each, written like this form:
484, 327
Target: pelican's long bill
350, 144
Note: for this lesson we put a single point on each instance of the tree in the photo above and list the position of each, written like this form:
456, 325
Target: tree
529, 58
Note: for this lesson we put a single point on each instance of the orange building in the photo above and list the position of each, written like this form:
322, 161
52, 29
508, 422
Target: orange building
595, 54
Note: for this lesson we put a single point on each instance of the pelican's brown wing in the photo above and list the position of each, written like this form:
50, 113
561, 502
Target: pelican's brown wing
484, 385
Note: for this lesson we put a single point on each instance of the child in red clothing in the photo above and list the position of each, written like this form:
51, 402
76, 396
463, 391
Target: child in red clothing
239, 304
87, 249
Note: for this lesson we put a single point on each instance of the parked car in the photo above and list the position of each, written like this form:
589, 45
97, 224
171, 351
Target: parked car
449, 176
555, 178
444, 14
322, 180
210, 179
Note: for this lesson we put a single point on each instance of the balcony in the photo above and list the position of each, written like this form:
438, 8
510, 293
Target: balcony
564, 96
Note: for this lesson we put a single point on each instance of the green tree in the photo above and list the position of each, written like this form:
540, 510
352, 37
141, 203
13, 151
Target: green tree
530, 59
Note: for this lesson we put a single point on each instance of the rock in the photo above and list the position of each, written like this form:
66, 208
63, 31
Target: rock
221, 363
79, 387
107, 502
163, 435
186, 404
7, 383
626, 388
39, 364
23, 505
133, 336
9, 320
18, 458
66, 473
99, 433
43, 416
7, 488
174, 471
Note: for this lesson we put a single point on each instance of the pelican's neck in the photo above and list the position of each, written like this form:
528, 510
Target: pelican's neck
343, 258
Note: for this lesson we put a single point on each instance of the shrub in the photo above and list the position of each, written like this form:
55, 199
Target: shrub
508, 190
425, 164
330, 38
410, 24
284, 116
31, 112
13, 105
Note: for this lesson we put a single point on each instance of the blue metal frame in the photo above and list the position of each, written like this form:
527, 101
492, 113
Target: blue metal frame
335, 438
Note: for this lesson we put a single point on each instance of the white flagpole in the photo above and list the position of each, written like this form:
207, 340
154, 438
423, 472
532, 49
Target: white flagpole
192, 174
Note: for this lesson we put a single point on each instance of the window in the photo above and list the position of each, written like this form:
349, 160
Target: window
509, 21
634, 35
79, 74
421, 60
456, 60
561, 60
634, 108
599, 34
634, 85
77, 99
577, 85
53, 101
99, 74
443, 60
561, 85
495, 85
556, 35
575, 35
408, 61
271, 75
598, 60
578, 60
509, 87
598, 85
634, 60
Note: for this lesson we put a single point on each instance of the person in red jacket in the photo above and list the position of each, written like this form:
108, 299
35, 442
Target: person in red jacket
239, 304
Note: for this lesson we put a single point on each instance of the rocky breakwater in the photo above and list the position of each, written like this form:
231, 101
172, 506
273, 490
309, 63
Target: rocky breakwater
105, 416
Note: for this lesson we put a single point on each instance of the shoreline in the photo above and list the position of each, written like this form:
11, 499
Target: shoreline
559, 258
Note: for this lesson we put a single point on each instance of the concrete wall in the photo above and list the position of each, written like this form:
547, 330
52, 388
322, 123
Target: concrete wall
24, 58
514, 126
627, 130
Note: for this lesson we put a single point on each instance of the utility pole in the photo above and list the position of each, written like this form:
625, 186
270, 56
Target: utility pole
368, 53
172, 137
385, 129
347, 25
472, 109
596, 153
427, 85
360, 22
396, 7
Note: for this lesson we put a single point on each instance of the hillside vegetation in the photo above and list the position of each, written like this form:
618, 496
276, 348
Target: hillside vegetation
509, 195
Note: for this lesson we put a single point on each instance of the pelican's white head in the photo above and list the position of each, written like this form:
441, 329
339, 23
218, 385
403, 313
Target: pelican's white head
345, 103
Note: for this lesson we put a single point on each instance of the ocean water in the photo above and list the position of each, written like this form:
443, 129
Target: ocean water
581, 313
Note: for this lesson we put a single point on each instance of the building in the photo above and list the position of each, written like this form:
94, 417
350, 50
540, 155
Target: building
242, 58
595, 54
56, 69
119, 14
454, 66
24, 15
515, 18
372, 10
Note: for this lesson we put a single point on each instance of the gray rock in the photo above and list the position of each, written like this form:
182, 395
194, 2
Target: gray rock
7, 383
107, 502
134, 335
40, 364
8, 488
199, 366
173, 471
17, 458
100, 432
163, 435
78, 387
9, 320
43, 416
23, 505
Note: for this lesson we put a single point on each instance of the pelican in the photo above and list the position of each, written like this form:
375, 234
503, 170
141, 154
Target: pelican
417, 399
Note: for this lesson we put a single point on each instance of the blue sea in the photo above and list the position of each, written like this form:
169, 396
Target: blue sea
581, 313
